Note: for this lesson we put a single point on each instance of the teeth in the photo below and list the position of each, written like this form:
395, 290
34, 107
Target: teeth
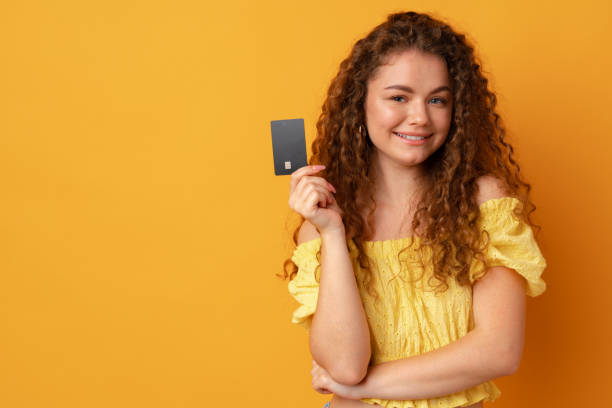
410, 137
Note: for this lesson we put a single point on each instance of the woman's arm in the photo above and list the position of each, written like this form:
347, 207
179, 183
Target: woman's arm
491, 350
339, 333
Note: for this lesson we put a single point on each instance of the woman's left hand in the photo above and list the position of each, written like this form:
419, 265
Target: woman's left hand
324, 384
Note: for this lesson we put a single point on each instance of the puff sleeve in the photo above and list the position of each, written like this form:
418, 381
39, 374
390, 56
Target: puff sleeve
511, 244
304, 287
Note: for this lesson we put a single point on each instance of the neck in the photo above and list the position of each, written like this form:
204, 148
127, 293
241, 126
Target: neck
397, 186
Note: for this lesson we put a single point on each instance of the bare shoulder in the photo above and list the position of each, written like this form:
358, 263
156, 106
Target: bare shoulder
490, 187
307, 232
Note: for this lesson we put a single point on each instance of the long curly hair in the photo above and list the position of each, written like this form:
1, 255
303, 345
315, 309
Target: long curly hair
447, 211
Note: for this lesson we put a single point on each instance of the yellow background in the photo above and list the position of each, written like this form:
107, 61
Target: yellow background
142, 223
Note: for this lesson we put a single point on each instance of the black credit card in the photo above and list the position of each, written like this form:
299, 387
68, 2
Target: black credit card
288, 145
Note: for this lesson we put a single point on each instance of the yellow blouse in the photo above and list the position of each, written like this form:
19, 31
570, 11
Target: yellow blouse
408, 320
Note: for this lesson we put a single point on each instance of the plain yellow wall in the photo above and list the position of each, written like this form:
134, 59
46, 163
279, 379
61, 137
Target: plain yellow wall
142, 223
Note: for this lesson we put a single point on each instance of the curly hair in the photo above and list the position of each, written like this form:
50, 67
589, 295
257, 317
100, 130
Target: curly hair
474, 147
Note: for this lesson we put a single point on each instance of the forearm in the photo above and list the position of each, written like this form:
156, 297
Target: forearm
339, 333
462, 364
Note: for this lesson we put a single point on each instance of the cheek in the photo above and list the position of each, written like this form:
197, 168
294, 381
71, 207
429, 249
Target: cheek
382, 114
390, 117
442, 118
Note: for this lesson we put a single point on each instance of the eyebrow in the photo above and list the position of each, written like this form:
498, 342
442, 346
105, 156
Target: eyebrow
410, 90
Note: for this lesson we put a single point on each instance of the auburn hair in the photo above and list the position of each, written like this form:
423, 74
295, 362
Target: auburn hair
447, 211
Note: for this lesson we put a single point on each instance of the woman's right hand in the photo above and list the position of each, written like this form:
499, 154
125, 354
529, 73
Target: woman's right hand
312, 197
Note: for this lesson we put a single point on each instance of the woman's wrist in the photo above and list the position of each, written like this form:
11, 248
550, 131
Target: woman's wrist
359, 391
333, 233
354, 392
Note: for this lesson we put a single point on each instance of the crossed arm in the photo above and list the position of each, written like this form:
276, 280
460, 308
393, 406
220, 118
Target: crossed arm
491, 350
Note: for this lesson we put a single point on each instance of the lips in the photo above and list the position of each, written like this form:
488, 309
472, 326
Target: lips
424, 135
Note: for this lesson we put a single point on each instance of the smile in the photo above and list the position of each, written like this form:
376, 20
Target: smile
412, 138
415, 138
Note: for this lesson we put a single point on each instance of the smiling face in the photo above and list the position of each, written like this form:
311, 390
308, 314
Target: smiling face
410, 96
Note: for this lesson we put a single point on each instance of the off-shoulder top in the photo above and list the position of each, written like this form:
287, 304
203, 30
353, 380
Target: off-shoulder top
409, 319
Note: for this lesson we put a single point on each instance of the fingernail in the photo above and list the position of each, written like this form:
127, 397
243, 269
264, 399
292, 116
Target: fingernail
332, 187
318, 167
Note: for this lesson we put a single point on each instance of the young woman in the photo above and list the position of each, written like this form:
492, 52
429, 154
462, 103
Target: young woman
415, 250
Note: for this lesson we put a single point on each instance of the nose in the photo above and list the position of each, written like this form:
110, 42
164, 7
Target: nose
417, 113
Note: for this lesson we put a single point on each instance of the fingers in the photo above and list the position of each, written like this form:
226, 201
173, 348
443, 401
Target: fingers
302, 171
303, 193
306, 187
307, 201
319, 382
314, 180
307, 173
307, 191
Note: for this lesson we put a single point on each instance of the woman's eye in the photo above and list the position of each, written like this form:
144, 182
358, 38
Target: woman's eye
442, 101
435, 101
